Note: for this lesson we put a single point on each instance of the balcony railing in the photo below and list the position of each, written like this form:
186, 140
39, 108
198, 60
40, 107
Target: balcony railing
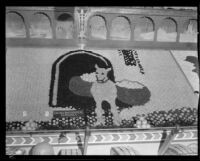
102, 27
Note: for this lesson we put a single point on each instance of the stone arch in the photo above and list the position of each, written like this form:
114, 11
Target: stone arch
64, 26
167, 30
15, 25
144, 29
40, 26
120, 28
97, 27
189, 32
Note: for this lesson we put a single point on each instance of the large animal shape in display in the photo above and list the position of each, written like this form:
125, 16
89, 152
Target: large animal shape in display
129, 92
104, 90
101, 88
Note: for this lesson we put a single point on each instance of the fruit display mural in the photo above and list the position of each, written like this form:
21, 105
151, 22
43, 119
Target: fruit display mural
151, 89
80, 68
101, 81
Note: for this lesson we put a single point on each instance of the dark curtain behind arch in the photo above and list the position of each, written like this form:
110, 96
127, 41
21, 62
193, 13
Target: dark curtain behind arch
75, 65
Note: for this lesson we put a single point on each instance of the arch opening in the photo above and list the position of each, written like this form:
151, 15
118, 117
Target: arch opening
144, 29
15, 26
64, 26
71, 65
167, 31
189, 33
97, 27
120, 29
40, 26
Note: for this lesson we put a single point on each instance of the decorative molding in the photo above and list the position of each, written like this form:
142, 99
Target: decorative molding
82, 14
81, 17
31, 8
144, 11
97, 138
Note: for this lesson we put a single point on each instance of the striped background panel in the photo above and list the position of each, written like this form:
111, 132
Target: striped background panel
178, 149
123, 150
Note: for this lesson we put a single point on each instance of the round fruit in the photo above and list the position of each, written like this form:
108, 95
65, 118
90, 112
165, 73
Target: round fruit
42, 149
141, 118
148, 126
27, 124
144, 126
144, 122
139, 122
138, 126
29, 128
24, 128
19, 152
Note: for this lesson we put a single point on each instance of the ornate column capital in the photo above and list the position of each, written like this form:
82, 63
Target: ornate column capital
82, 15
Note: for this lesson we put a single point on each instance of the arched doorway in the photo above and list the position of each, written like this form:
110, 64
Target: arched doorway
74, 63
